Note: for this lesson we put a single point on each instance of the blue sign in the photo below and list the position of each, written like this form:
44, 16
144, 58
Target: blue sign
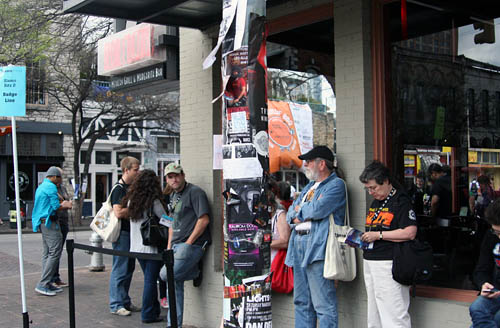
13, 91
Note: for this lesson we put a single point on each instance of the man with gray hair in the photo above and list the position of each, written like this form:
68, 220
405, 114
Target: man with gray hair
44, 219
314, 296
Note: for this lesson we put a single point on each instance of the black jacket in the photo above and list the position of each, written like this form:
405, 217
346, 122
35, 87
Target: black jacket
486, 268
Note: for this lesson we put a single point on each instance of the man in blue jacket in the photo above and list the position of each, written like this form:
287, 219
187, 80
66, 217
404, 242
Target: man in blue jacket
314, 296
44, 219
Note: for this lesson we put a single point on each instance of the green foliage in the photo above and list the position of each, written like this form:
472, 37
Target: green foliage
24, 30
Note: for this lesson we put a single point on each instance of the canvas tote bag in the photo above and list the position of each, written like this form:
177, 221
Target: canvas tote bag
340, 259
105, 223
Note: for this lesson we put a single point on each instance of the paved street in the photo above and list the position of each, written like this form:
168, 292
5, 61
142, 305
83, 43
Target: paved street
91, 289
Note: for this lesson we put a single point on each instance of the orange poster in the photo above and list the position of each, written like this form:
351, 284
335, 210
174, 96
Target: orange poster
284, 146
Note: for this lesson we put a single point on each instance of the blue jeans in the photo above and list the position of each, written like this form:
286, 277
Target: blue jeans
51, 252
121, 274
485, 313
150, 305
314, 297
186, 258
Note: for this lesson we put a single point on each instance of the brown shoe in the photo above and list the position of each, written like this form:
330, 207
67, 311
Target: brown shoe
61, 284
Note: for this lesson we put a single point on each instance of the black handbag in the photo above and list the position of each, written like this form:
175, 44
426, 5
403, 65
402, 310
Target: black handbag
153, 233
412, 262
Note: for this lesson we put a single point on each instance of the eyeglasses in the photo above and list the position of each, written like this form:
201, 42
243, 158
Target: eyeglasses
371, 189
495, 232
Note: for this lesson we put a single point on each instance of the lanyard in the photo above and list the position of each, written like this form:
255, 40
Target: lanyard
377, 213
173, 201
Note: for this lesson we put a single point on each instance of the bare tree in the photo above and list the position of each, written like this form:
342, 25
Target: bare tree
65, 46
96, 112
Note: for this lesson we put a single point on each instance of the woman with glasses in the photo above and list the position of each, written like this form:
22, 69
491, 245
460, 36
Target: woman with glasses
145, 196
390, 220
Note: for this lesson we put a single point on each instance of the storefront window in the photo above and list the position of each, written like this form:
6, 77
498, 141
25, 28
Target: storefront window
103, 157
445, 111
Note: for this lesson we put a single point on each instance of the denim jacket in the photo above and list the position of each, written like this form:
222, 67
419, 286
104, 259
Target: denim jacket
329, 197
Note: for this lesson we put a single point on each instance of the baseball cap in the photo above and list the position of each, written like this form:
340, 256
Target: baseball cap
318, 152
173, 168
53, 171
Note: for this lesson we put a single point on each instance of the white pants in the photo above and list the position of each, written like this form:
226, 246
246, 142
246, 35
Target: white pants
388, 300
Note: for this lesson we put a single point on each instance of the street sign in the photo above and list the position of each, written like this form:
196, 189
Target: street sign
13, 91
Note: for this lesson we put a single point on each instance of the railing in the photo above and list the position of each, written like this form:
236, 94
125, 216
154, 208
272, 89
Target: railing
167, 257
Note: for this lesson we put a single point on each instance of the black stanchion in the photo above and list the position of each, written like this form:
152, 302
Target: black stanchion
71, 281
168, 259
26, 320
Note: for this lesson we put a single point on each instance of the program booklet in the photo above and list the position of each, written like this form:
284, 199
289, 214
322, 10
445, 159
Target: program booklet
353, 239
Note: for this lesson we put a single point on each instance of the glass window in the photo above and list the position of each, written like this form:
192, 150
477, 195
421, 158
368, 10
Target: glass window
166, 145
177, 145
54, 145
445, 110
35, 80
103, 157
26, 182
122, 155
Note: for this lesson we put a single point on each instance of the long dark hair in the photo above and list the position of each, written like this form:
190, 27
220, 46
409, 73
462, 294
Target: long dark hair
142, 193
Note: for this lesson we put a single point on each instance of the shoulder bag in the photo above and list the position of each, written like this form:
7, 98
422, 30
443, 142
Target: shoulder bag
153, 233
105, 223
282, 280
340, 259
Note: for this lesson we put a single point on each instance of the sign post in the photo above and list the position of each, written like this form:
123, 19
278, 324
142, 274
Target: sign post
13, 103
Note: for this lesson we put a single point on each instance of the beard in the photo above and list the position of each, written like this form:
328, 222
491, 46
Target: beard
312, 175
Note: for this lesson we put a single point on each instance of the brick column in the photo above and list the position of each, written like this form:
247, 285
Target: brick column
199, 121
354, 131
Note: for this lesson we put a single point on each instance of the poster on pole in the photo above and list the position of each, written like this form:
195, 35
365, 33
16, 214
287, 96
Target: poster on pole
13, 91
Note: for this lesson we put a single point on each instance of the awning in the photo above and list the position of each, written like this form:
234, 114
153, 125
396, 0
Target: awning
198, 14
186, 13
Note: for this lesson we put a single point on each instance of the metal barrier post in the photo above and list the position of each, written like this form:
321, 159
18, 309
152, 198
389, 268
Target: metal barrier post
71, 281
168, 259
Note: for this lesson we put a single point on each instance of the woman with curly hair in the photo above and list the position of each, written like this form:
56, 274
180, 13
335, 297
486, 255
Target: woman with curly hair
145, 196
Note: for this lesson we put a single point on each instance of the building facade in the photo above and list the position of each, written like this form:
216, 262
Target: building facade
360, 36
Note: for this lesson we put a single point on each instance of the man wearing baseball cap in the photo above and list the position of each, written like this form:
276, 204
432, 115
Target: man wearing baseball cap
44, 219
314, 296
189, 235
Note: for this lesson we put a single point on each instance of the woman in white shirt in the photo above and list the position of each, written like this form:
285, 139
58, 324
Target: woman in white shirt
143, 196
280, 228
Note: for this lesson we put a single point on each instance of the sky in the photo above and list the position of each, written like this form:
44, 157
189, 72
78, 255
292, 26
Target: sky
488, 53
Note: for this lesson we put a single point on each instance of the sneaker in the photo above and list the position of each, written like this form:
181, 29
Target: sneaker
45, 291
121, 312
54, 288
164, 303
60, 284
132, 308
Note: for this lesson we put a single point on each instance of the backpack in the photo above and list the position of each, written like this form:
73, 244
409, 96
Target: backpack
412, 263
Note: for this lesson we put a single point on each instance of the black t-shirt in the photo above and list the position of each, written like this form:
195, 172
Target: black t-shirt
116, 199
442, 188
397, 214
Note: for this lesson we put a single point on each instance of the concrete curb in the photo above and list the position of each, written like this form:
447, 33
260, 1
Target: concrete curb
6, 230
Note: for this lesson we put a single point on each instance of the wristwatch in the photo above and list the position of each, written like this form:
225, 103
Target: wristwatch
381, 237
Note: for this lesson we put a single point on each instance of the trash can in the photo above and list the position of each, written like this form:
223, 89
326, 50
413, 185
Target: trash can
13, 214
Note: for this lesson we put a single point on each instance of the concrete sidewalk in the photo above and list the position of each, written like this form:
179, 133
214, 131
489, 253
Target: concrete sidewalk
91, 303
91, 297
